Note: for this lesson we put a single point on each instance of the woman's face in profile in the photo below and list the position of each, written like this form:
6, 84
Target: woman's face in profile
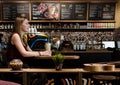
25, 25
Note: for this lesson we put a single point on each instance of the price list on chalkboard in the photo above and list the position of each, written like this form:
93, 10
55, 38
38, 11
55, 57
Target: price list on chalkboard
66, 11
108, 11
80, 11
12, 10
101, 11
73, 11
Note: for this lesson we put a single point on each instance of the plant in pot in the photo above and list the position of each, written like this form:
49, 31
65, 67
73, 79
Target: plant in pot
58, 61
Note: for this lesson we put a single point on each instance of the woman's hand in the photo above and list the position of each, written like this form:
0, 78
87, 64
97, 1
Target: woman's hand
46, 53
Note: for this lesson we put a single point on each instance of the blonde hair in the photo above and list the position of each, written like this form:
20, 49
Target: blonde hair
17, 27
18, 23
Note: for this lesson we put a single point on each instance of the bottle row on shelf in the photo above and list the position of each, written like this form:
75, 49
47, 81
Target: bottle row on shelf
101, 25
6, 26
76, 25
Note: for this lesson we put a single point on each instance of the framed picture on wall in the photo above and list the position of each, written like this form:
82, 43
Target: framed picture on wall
44, 11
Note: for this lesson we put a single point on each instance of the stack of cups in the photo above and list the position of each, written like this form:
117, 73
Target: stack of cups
48, 46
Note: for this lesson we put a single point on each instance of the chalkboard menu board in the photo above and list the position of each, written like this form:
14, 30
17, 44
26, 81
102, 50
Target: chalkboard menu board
101, 11
13, 10
73, 11
44, 10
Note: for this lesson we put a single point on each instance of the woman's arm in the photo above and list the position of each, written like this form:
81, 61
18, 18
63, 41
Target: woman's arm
28, 48
15, 40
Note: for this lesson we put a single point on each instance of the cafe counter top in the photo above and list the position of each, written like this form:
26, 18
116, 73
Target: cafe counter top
87, 51
65, 57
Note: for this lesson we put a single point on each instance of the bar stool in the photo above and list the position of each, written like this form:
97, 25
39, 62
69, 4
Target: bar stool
105, 80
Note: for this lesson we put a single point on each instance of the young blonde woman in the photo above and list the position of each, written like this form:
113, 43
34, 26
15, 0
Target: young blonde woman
18, 47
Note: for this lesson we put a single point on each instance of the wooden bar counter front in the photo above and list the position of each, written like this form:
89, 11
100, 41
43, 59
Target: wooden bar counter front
79, 73
25, 72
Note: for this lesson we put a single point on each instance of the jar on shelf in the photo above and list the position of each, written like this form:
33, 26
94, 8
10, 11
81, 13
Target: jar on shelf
16, 64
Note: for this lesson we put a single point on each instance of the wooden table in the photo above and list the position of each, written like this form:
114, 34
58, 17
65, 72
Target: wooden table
65, 57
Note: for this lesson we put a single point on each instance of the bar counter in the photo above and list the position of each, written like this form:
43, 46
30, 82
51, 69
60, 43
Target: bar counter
76, 59
74, 52
65, 57
88, 51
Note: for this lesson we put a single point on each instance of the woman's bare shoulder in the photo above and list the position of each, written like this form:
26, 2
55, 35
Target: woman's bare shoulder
15, 34
15, 38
